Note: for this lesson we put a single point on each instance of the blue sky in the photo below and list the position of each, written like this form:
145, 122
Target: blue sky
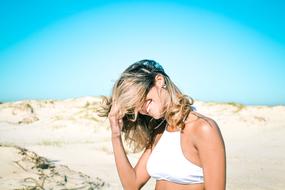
225, 51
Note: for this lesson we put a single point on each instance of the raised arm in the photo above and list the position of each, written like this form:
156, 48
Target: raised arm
132, 178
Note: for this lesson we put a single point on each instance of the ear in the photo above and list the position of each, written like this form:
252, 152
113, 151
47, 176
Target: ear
159, 81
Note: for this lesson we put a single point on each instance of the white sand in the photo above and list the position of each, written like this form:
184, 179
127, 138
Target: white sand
23, 169
70, 133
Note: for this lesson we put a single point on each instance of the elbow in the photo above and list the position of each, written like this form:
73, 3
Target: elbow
131, 187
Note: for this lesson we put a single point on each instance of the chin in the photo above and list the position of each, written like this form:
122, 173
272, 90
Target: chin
157, 116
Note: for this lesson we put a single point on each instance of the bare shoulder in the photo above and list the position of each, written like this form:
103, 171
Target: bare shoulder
200, 127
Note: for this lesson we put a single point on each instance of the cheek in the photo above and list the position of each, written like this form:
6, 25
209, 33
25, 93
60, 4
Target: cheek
157, 113
157, 107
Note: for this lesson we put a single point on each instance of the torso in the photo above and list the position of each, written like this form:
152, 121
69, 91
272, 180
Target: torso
189, 150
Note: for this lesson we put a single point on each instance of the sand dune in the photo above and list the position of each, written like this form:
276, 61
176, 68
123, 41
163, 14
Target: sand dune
68, 132
23, 169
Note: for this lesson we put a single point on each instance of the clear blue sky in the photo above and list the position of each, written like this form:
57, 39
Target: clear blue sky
225, 51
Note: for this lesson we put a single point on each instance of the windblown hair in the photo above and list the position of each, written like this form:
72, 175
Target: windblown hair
130, 92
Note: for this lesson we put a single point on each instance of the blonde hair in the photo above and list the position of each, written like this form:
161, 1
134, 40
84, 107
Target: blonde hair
130, 91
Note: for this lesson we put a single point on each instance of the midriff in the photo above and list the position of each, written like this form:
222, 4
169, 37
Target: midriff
166, 185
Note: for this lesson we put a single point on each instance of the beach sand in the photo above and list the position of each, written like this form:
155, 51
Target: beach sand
74, 143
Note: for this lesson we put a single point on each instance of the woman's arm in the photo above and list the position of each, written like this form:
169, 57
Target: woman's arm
131, 178
211, 148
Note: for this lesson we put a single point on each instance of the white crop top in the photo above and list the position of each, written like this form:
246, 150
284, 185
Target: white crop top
167, 161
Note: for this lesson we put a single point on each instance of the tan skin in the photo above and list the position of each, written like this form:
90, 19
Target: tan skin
201, 143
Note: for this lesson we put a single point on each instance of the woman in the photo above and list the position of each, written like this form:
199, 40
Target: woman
182, 148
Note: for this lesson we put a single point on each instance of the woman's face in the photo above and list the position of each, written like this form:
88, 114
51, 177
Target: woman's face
155, 102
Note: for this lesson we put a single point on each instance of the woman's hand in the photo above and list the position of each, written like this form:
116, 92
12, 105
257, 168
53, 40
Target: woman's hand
115, 120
